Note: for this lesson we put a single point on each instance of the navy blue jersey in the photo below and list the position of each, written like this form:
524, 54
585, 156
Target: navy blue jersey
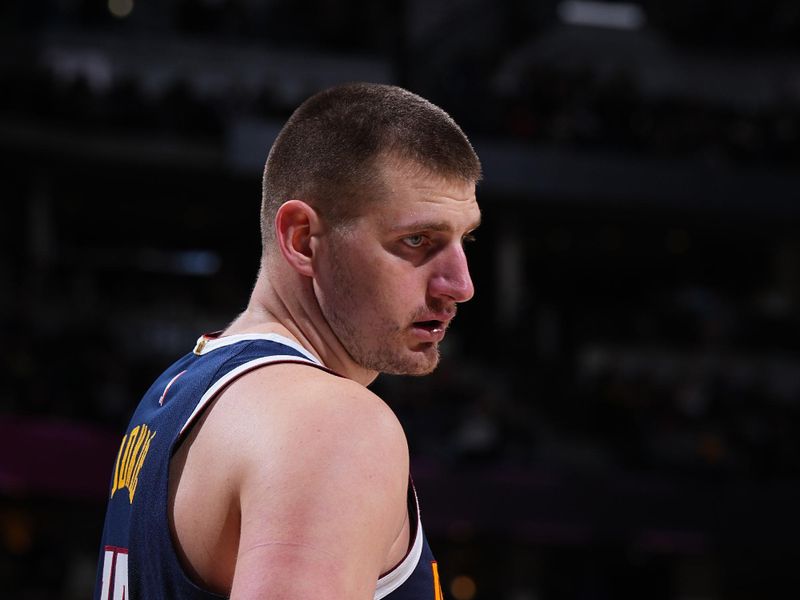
137, 557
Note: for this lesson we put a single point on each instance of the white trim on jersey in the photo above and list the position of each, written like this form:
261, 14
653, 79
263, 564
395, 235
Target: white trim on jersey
398, 576
237, 372
209, 344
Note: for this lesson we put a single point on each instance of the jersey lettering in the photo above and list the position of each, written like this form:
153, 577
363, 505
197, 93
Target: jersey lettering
130, 459
115, 574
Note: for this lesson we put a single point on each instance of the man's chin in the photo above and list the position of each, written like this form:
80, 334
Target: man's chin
421, 361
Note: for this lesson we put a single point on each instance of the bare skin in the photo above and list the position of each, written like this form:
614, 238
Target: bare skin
294, 483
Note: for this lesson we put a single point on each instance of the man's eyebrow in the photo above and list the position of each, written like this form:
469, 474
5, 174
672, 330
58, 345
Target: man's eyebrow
422, 226
431, 226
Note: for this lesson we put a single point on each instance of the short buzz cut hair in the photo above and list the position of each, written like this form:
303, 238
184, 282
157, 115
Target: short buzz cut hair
328, 152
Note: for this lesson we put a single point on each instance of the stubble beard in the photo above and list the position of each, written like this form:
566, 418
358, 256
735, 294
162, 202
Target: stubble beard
383, 351
378, 346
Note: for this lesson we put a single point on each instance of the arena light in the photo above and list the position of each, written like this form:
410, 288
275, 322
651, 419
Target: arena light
613, 15
463, 587
120, 8
196, 263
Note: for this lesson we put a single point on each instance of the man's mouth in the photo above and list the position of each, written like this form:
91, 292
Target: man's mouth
431, 326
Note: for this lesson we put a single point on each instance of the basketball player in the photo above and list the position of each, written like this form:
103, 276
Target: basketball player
260, 465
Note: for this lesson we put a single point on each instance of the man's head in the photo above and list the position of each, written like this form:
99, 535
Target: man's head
329, 151
369, 194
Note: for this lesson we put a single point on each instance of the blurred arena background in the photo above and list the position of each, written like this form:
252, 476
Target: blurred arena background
618, 411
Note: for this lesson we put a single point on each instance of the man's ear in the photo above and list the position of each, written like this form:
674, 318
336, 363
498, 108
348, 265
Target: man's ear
296, 223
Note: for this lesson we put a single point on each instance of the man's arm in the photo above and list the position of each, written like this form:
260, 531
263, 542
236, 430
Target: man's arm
322, 476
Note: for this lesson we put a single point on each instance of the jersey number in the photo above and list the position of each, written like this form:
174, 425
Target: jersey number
115, 574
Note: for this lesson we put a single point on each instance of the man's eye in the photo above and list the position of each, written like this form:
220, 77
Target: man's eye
415, 241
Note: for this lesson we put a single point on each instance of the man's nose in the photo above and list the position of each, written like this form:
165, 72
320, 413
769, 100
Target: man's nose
451, 279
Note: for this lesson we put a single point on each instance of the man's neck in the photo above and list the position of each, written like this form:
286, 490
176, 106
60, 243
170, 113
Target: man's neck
270, 312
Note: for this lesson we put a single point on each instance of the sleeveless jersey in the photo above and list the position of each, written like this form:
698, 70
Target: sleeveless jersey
137, 558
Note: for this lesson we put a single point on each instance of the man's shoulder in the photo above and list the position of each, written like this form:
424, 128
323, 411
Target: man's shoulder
302, 403
301, 386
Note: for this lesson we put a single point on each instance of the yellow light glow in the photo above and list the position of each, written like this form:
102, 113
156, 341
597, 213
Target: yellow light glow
463, 587
120, 8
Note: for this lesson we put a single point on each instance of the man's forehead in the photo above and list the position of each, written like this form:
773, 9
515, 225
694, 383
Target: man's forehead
397, 174
411, 193
393, 166
440, 213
